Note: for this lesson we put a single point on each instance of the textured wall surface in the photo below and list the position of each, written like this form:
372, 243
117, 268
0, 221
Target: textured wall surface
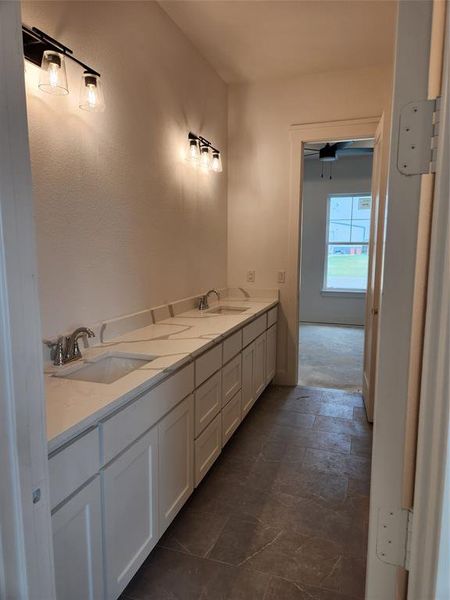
260, 116
122, 222
350, 175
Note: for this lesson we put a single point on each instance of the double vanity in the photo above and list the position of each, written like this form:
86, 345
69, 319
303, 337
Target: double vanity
136, 424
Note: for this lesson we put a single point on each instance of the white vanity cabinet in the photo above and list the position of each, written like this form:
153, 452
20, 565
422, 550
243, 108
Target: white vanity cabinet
271, 353
208, 446
248, 397
115, 489
130, 488
231, 418
259, 365
253, 372
176, 461
77, 545
231, 379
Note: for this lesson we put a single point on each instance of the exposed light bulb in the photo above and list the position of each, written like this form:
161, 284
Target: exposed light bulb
193, 152
205, 160
216, 163
91, 94
53, 74
53, 78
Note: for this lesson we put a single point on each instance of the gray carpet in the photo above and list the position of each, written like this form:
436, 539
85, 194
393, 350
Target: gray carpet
331, 356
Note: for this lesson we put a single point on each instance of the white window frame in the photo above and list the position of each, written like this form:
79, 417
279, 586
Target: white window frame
327, 291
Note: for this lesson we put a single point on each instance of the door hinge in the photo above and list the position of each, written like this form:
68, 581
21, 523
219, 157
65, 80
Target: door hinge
394, 536
418, 137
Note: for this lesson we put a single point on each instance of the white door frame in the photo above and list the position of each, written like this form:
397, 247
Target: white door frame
430, 549
353, 129
390, 455
26, 550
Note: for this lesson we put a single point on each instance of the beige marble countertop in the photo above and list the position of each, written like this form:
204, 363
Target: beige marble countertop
73, 406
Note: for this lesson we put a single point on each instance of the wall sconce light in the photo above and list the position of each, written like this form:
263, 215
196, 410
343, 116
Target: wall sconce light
201, 152
53, 78
49, 54
91, 93
193, 149
216, 163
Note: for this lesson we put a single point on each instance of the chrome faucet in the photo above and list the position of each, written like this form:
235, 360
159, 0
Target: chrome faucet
66, 348
203, 304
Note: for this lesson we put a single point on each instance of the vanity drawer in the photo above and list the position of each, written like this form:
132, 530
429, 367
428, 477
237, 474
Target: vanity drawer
207, 364
231, 379
232, 345
207, 448
120, 430
231, 417
272, 316
72, 466
254, 329
208, 402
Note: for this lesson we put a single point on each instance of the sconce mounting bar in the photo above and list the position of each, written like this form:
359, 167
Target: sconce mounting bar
36, 42
202, 141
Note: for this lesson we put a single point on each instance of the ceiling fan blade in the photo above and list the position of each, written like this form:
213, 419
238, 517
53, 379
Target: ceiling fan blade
355, 152
341, 145
311, 150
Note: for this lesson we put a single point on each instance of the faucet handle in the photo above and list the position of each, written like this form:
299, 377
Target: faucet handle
76, 351
57, 351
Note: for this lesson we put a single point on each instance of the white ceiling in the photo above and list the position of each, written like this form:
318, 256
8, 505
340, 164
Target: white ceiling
253, 40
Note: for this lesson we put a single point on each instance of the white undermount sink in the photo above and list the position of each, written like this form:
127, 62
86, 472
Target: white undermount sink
226, 310
105, 368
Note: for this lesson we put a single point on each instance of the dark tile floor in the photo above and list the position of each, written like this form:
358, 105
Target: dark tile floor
282, 515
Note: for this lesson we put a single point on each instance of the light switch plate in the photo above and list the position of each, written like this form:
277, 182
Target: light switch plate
281, 276
251, 276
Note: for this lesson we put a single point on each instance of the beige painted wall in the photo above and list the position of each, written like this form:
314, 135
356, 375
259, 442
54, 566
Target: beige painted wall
122, 222
260, 116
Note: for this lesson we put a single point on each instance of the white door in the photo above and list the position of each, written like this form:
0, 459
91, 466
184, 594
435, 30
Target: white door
77, 544
176, 461
373, 295
393, 457
26, 552
248, 390
130, 485
259, 367
271, 353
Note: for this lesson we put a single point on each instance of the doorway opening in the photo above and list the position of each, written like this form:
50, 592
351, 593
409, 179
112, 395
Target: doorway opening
334, 267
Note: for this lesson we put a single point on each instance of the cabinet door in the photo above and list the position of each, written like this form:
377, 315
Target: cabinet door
271, 358
231, 379
77, 545
176, 460
208, 402
130, 509
207, 448
231, 417
248, 389
259, 366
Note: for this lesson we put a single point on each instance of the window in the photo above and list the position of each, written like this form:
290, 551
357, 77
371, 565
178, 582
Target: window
348, 229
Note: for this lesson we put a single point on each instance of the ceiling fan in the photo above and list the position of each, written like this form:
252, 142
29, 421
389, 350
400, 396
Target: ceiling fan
331, 152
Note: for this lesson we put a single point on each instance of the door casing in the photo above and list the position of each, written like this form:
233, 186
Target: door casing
353, 129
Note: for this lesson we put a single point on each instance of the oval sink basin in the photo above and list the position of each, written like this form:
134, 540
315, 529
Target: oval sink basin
106, 368
226, 310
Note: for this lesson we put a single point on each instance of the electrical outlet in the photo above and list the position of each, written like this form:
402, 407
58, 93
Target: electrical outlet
251, 276
281, 276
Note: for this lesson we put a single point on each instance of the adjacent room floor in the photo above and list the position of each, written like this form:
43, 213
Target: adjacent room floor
282, 515
331, 356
